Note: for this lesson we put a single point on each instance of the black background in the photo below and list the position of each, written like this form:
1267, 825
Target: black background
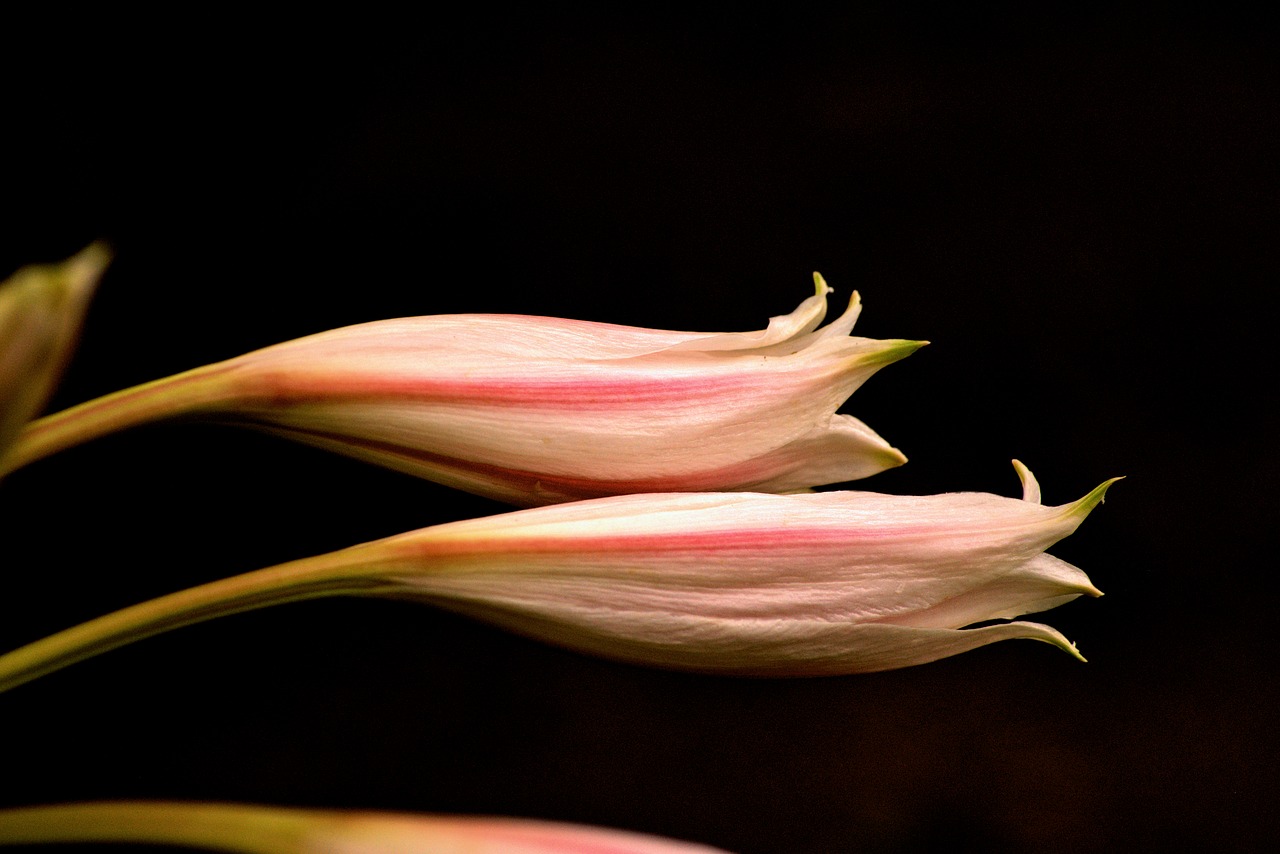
1079, 213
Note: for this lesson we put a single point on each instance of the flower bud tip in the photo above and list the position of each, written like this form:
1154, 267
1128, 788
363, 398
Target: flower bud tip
893, 350
892, 458
1069, 648
1085, 505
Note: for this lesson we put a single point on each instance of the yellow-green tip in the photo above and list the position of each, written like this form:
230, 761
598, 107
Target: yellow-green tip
891, 350
820, 286
1084, 506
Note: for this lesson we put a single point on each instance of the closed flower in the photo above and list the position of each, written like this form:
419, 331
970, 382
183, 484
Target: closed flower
731, 583
536, 410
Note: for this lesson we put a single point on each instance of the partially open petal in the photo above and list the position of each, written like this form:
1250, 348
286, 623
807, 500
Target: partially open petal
1042, 583
795, 326
754, 647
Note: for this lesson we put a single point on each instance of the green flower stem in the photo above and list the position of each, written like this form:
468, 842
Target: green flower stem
221, 827
170, 397
334, 574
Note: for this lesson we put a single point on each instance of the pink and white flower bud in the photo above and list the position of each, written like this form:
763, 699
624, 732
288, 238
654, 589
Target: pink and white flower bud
537, 410
731, 583
41, 311
754, 584
274, 830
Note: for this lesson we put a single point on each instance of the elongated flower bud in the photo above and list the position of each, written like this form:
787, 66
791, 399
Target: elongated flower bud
536, 410
732, 583
41, 310
270, 830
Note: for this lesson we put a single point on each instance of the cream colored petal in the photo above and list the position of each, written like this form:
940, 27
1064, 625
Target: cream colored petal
843, 325
1030, 486
252, 829
634, 423
481, 343
1042, 583
844, 449
371, 833
746, 647
783, 328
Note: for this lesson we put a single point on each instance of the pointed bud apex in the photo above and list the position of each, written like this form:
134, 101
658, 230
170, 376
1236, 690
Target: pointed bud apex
41, 311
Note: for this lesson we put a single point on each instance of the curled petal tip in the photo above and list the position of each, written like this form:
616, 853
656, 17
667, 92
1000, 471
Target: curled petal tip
1049, 635
1030, 486
893, 458
820, 286
892, 350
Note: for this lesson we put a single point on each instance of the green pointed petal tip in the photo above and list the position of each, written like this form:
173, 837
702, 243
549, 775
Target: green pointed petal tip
1071, 650
892, 350
90, 262
1085, 505
1030, 486
820, 286
1049, 635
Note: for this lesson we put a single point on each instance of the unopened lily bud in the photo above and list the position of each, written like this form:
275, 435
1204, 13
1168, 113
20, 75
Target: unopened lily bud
730, 583
41, 311
753, 584
270, 830
538, 410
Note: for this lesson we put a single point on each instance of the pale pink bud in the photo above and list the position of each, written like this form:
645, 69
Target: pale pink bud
272, 830
732, 583
537, 410
41, 311
754, 584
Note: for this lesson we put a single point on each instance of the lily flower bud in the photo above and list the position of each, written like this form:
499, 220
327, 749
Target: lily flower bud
537, 410
41, 311
729, 583
272, 830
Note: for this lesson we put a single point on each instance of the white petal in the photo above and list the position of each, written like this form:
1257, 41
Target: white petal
1030, 486
843, 449
806, 317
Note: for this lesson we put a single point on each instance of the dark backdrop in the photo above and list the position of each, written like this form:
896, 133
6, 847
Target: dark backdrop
1080, 214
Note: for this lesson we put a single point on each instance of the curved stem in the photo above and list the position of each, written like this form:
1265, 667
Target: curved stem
180, 394
222, 827
332, 574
